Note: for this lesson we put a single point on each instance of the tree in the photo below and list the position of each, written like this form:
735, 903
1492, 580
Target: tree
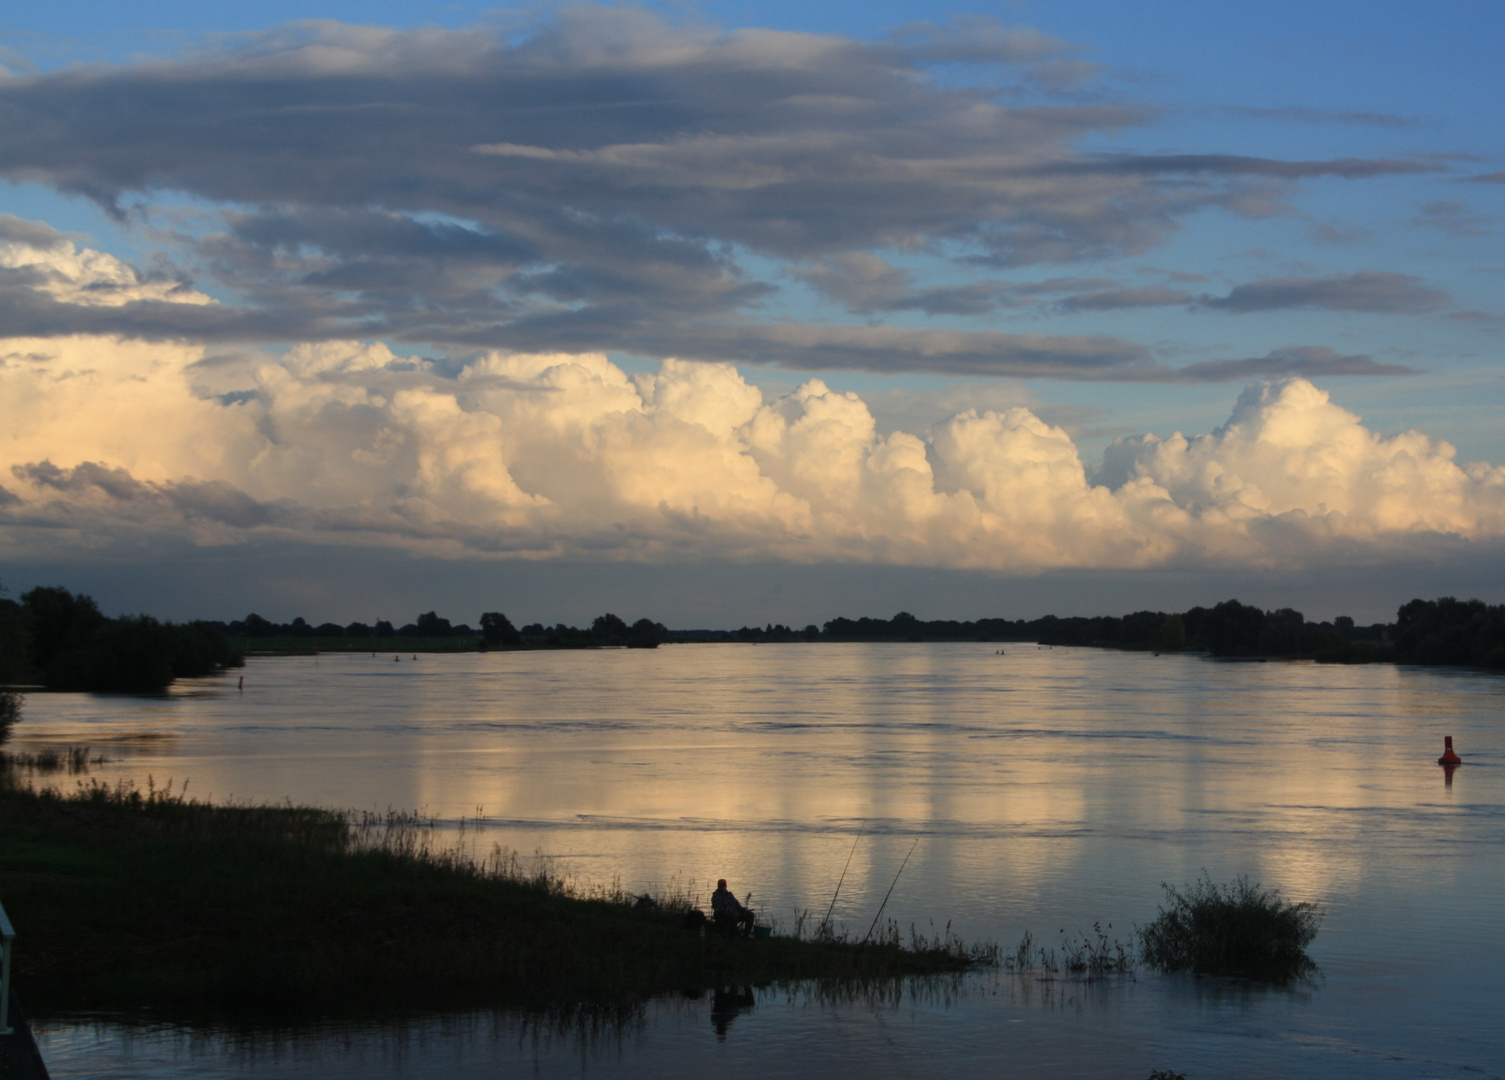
497, 631
647, 634
15, 643
609, 628
59, 623
1172, 633
1233, 629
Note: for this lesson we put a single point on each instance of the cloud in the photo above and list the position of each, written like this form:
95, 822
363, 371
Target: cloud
1115, 299
66, 292
1305, 361
1368, 291
37, 258
1453, 217
600, 175
1300, 115
116, 442
1289, 458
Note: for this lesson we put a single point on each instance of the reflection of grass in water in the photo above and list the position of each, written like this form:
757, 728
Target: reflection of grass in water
74, 760
129, 898
581, 1028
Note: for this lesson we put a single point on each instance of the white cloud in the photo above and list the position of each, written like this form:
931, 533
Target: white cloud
55, 266
547, 455
1289, 455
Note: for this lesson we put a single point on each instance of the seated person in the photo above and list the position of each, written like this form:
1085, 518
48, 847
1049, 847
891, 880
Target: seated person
729, 913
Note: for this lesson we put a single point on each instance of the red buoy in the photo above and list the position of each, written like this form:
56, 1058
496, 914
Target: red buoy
1448, 757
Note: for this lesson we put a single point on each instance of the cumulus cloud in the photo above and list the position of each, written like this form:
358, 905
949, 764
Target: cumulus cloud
607, 179
112, 442
37, 258
1289, 458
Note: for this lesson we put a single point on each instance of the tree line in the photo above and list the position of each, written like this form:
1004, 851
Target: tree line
495, 631
62, 641
1446, 631
55, 639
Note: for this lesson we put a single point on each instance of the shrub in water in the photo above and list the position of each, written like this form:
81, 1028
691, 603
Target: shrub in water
1233, 929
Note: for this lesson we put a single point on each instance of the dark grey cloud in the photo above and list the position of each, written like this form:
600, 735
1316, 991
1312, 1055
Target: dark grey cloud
1367, 291
1485, 178
1300, 115
33, 233
867, 284
1241, 165
1307, 361
1115, 299
606, 172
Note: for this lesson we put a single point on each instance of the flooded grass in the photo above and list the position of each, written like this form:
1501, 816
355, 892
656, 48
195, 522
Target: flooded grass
1233, 929
73, 760
129, 899
1082, 957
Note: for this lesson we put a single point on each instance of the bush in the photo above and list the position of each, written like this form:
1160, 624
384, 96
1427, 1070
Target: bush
1233, 929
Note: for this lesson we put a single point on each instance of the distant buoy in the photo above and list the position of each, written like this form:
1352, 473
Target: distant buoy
1448, 757
396, 659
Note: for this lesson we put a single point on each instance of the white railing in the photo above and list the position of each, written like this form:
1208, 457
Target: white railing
7, 935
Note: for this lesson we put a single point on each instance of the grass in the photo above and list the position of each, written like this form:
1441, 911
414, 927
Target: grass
1233, 929
1209, 929
127, 899
1086, 957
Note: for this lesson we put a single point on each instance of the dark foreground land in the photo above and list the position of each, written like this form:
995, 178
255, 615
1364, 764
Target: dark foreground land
124, 900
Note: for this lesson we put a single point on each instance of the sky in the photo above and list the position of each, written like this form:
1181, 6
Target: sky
726, 313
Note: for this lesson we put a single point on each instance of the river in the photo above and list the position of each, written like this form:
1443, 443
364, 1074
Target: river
1049, 789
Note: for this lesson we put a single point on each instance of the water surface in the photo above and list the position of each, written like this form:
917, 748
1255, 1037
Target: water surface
1049, 789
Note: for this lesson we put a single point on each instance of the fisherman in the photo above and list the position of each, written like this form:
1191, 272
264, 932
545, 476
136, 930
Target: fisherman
729, 913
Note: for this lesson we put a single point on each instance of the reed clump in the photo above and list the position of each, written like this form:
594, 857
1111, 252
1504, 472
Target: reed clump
1232, 929
1081, 957
1208, 929
73, 760
134, 898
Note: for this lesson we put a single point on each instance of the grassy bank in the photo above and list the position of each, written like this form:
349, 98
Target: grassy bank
125, 899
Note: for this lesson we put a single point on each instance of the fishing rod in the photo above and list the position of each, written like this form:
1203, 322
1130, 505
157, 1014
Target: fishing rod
826, 922
890, 892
